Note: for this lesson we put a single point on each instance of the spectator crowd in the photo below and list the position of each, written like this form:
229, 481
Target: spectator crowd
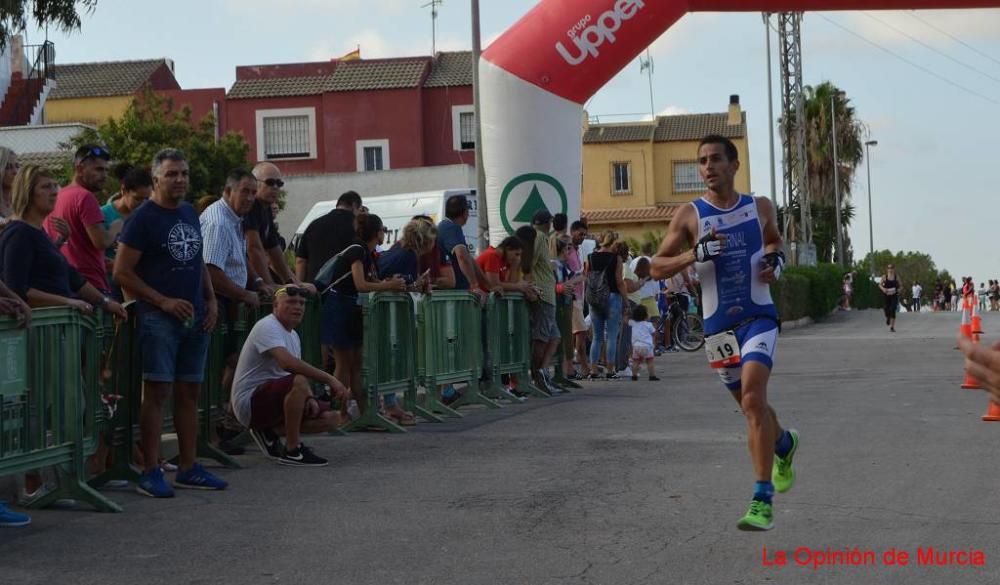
188, 269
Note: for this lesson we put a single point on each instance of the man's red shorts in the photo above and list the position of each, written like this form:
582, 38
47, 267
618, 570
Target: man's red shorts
267, 406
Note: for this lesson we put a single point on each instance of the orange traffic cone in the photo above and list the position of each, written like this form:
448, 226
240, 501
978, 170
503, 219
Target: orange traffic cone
965, 328
992, 412
977, 322
970, 383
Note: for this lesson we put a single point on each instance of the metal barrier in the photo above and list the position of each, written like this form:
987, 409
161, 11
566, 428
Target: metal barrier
309, 331
388, 360
509, 335
51, 395
449, 351
123, 377
564, 318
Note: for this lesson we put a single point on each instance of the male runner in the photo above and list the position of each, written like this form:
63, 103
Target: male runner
737, 251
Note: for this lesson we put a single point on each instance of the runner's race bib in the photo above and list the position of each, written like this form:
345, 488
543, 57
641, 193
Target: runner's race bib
723, 350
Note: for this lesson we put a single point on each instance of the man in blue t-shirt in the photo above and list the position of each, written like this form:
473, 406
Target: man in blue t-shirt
160, 264
451, 240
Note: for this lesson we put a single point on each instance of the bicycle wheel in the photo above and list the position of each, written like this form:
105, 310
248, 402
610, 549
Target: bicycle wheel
689, 332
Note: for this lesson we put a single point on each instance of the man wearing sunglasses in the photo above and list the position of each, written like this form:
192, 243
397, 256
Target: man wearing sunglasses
77, 205
271, 393
263, 241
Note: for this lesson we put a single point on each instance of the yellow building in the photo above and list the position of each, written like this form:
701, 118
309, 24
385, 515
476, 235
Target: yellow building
636, 175
90, 93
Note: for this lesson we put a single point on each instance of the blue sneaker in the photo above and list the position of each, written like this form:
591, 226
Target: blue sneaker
197, 478
153, 484
9, 517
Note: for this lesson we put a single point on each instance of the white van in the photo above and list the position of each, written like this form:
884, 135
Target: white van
396, 210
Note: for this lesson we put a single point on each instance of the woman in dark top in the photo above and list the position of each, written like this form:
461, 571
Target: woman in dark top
418, 239
354, 273
606, 319
890, 288
30, 263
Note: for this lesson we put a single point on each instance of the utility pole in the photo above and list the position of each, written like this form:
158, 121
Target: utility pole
770, 121
646, 66
482, 215
434, 15
871, 230
793, 122
836, 177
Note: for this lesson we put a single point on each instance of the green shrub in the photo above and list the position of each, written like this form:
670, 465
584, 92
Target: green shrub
790, 295
867, 294
810, 291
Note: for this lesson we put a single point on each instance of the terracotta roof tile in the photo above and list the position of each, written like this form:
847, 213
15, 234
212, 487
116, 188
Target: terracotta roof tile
372, 75
683, 127
112, 78
599, 133
631, 214
451, 70
696, 127
54, 160
278, 87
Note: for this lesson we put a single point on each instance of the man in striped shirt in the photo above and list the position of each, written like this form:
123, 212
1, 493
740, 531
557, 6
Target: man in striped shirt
225, 253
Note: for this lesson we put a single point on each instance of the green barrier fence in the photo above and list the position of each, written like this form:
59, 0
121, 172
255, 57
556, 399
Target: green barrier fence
449, 351
509, 335
51, 385
388, 363
123, 377
51, 397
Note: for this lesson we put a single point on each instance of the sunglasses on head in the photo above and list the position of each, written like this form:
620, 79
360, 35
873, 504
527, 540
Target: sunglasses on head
291, 291
274, 183
96, 152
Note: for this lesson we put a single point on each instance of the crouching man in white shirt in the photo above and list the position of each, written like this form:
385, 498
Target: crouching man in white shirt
271, 393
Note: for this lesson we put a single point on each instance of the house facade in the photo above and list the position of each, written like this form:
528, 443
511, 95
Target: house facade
636, 175
356, 115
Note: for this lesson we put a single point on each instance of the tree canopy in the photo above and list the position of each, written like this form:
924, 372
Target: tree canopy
152, 123
64, 14
910, 266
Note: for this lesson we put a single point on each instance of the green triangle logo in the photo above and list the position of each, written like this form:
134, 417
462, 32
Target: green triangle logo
531, 206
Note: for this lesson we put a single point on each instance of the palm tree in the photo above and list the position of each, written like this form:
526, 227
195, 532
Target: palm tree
819, 161
819, 157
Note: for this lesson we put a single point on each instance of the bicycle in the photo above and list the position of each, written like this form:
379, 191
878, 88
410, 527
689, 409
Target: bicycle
687, 329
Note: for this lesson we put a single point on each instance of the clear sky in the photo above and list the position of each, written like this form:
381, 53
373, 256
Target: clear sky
935, 125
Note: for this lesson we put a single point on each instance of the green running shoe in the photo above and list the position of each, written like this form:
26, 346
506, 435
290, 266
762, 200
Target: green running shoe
758, 517
782, 474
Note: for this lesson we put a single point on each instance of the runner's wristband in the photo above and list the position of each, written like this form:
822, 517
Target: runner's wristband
775, 260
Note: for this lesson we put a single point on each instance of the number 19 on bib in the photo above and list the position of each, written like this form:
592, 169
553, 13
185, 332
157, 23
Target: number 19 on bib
723, 350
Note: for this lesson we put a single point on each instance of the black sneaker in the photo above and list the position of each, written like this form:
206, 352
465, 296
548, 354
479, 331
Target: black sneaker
268, 442
635, 378
613, 376
654, 379
227, 438
301, 457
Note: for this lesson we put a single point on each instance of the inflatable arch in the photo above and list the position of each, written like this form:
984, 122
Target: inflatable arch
535, 78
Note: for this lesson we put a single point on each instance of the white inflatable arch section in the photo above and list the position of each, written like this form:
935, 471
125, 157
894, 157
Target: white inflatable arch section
536, 77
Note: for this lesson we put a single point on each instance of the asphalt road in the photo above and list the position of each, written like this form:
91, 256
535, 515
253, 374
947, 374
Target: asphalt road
621, 483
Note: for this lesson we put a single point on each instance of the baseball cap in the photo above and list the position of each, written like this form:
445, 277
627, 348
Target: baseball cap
541, 217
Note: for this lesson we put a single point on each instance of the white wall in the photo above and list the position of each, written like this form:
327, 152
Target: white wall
5, 71
304, 191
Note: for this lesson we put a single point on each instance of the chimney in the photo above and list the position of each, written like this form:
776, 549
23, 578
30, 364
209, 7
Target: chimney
735, 114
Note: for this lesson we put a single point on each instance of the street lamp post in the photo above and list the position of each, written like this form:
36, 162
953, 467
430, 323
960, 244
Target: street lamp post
836, 177
871, 231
